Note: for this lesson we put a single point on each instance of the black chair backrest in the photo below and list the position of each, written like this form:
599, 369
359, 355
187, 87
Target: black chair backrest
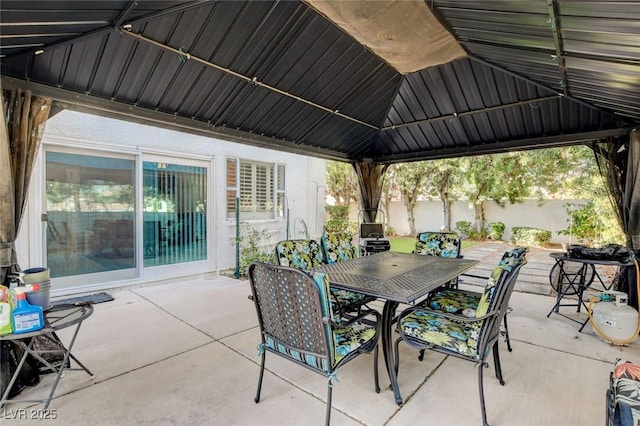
291, 308
490, 329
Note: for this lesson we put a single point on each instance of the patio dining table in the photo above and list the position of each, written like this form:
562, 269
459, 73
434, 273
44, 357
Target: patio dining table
395, 278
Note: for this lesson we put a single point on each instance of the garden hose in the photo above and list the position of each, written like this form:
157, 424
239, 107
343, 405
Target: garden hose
600, 332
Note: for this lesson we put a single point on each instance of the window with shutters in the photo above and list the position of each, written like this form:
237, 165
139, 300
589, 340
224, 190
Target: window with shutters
258, 188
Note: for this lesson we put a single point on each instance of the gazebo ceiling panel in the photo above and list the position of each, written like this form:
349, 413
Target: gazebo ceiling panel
281, 74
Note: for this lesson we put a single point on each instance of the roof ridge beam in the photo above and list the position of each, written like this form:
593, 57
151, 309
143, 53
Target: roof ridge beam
187, 56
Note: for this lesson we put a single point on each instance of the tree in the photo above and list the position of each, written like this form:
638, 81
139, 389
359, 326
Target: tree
511, 177
342, 182
500, 177
387, 195
443, 174
411, 180
560, 172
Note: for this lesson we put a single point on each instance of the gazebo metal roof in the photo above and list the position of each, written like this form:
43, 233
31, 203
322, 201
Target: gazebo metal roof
538, 73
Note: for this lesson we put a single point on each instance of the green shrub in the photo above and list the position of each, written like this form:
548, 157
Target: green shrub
530, 236
497, 230
465, 228
585, 222
338, 218
254, 246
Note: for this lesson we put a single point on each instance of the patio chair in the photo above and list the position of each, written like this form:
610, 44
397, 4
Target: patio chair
296, 323
469, 336
307, 254
338, 247
457, 301
442, 244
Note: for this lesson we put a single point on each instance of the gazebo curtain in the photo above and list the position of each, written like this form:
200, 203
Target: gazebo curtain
619, 164
371, 179
23, 118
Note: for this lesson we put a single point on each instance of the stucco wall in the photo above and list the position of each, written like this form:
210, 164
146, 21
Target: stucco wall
68, 128
551, 216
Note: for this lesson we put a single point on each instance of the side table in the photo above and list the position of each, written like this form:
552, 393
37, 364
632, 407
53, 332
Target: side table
576, 282
56, 318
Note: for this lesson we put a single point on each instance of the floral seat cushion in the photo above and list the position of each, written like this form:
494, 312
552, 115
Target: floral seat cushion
300, 254
456, 336
349, 339
455, 302
474, 304
442, 244
338, 246
341, 298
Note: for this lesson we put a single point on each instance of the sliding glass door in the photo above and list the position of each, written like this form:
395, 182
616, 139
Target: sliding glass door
174, 203
90, 218
111, 217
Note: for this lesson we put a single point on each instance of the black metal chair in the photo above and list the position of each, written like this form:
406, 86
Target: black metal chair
457, 301
307, 254
441, 244
296, 323
469, 336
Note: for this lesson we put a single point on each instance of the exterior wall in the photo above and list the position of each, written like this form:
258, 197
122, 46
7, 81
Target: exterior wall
69, 128
550, 216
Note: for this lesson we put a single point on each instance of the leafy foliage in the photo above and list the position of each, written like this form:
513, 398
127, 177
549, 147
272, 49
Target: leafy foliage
587, 225
338, 218
569, 172
497, 230
465, 228
530, 236
411, 180
253, 247
342, 182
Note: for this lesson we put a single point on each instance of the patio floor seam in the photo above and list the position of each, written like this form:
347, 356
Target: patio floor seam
94, 381
558, 350
290, 382
175, 316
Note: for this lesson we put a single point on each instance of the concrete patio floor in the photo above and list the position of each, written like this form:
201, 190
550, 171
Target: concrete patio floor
184, 353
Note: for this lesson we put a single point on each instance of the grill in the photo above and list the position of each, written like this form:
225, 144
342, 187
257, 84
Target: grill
372, 239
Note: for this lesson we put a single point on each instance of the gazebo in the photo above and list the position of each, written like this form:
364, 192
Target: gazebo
371, 83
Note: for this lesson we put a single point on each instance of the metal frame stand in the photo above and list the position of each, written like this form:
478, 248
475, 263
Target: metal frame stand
57, 318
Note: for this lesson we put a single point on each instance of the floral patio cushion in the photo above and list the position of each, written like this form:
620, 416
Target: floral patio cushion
466, 303
349, 339
442, 244
452, 335
626, 387
338, 246
341, 298
455, 302
300, 254
307, 254
509, 260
